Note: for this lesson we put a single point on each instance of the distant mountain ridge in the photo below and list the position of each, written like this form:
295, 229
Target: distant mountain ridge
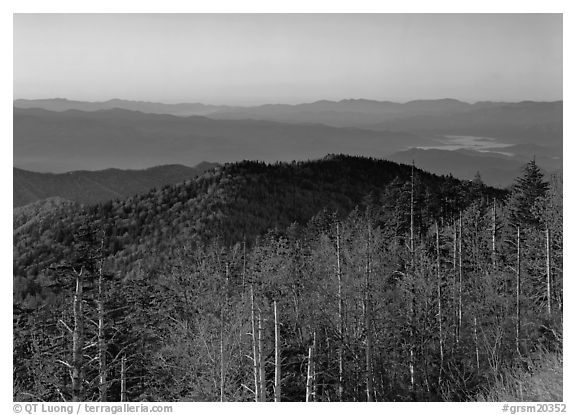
345, 113
418, 106
196, 108
61, 135
270, 112
89, 187
62, 104
539, 123
73, 140
526, 120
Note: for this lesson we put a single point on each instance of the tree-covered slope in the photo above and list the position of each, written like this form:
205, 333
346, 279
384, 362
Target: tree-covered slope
238, 201
90, 187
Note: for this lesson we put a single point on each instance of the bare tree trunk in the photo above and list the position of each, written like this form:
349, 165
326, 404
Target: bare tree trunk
309, 377
476, 344
223, 310
412, 213
277, 362
78, 338
243, 264
455, 285
221, 357
518, 291
255, 349
328, 359
123, 379
340, 318
439, 293
494, 235
314, 361
548, 273
413, 276
103, 369
460, 277
261, 363
368, 322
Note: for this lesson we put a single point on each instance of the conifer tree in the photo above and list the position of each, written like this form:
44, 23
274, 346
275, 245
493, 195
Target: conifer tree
526, 191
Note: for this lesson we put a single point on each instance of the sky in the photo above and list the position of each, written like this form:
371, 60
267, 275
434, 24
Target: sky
249, 59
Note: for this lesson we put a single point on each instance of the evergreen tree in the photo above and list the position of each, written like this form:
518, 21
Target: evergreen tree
527, 190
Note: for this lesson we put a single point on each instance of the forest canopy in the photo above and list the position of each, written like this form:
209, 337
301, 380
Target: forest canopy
340, 279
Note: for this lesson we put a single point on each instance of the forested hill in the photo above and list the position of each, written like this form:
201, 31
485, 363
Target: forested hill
241, 201
90, 187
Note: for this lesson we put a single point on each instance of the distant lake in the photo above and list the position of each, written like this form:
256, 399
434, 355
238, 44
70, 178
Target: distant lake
468, 142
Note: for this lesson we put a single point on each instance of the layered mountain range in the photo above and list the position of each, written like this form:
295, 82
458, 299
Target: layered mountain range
524, 121
95, 142
176, 252
51, 141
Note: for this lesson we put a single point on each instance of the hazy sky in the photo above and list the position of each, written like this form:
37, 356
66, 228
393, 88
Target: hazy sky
264, 58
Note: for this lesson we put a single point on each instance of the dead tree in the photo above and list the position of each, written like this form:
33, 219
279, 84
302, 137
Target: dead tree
518, 290
460, 277
277, 361
548, 274
340, 317
78, 338
439, 294
103, 369
310, 387
222, 314
255, 349
309, 376
315, 359
368, 320
455, 281
261, 363
412, 288
476, 344
123, 379
243, 265
494, 235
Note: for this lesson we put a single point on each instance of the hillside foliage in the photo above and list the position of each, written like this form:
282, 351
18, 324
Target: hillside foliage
390, 284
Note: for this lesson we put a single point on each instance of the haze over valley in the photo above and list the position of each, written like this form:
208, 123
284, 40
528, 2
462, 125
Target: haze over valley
444, 136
